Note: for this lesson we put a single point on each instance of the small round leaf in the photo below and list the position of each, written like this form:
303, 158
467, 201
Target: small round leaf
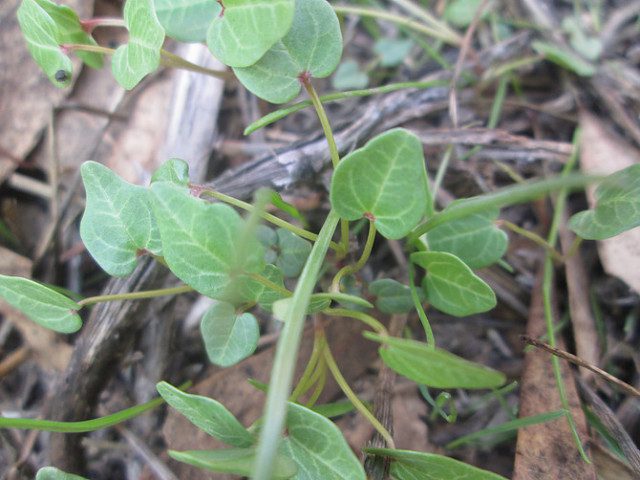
228, 338
187, 20
451, 286
385, 181
244, 30
313, 46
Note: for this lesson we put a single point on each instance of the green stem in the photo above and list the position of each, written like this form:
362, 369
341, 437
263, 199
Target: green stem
368, 320
501, 198
547, 287
450, 38
84, 425
320, 384
301, 232
135, 295
534, 237
333, 151
442, 169
168, 59
304, 383
90, 24
361, 407
362, 261
332, 97
269, 284
428, 331
287, 351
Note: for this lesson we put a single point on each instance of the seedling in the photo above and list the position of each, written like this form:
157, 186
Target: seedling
277, 48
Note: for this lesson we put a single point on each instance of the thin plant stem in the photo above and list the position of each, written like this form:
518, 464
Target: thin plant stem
426, 16
357, 403
365, 318
304, 382
362, 261
84, 425
135, 295
332, 97
442, 169
277, 221
534, 237
547, 286
287, 352
167, 59
269, 284
400, 20
333, 151
90, 24
321, 383
428, 331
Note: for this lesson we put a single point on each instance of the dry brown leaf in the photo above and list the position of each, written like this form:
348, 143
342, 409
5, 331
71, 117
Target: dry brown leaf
26, 95
547, 450
603, 152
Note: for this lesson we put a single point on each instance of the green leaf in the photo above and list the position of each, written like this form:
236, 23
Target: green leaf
411, 465
228, 338
318, 447
43, 41
52, 473
118, 224
41, 304
293, 252
617, 207
70, 31
393, 296
238, 461
348, 76
451, 286
474, 239
312, 46
199, 239
278, 202
208, 415
392, 51
285, 249
460, 13
173, 170
141, 56
565, 58
434, 367
187, 20
245, 29
386, 181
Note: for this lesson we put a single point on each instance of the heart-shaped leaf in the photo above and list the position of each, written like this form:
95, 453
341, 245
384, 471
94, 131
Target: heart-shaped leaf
474, 239
173, 170
410, 465
187, 20
385, 181
318, 447
434, 367
245, 29
617, 207
41, 304
52, 473
392, 51
313, 46
43, 41
208, 415
141, 56
239, 461
118, 224
288, 251
392, 296
228, 338
199, 239
348, 76
451, 286
70, 31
